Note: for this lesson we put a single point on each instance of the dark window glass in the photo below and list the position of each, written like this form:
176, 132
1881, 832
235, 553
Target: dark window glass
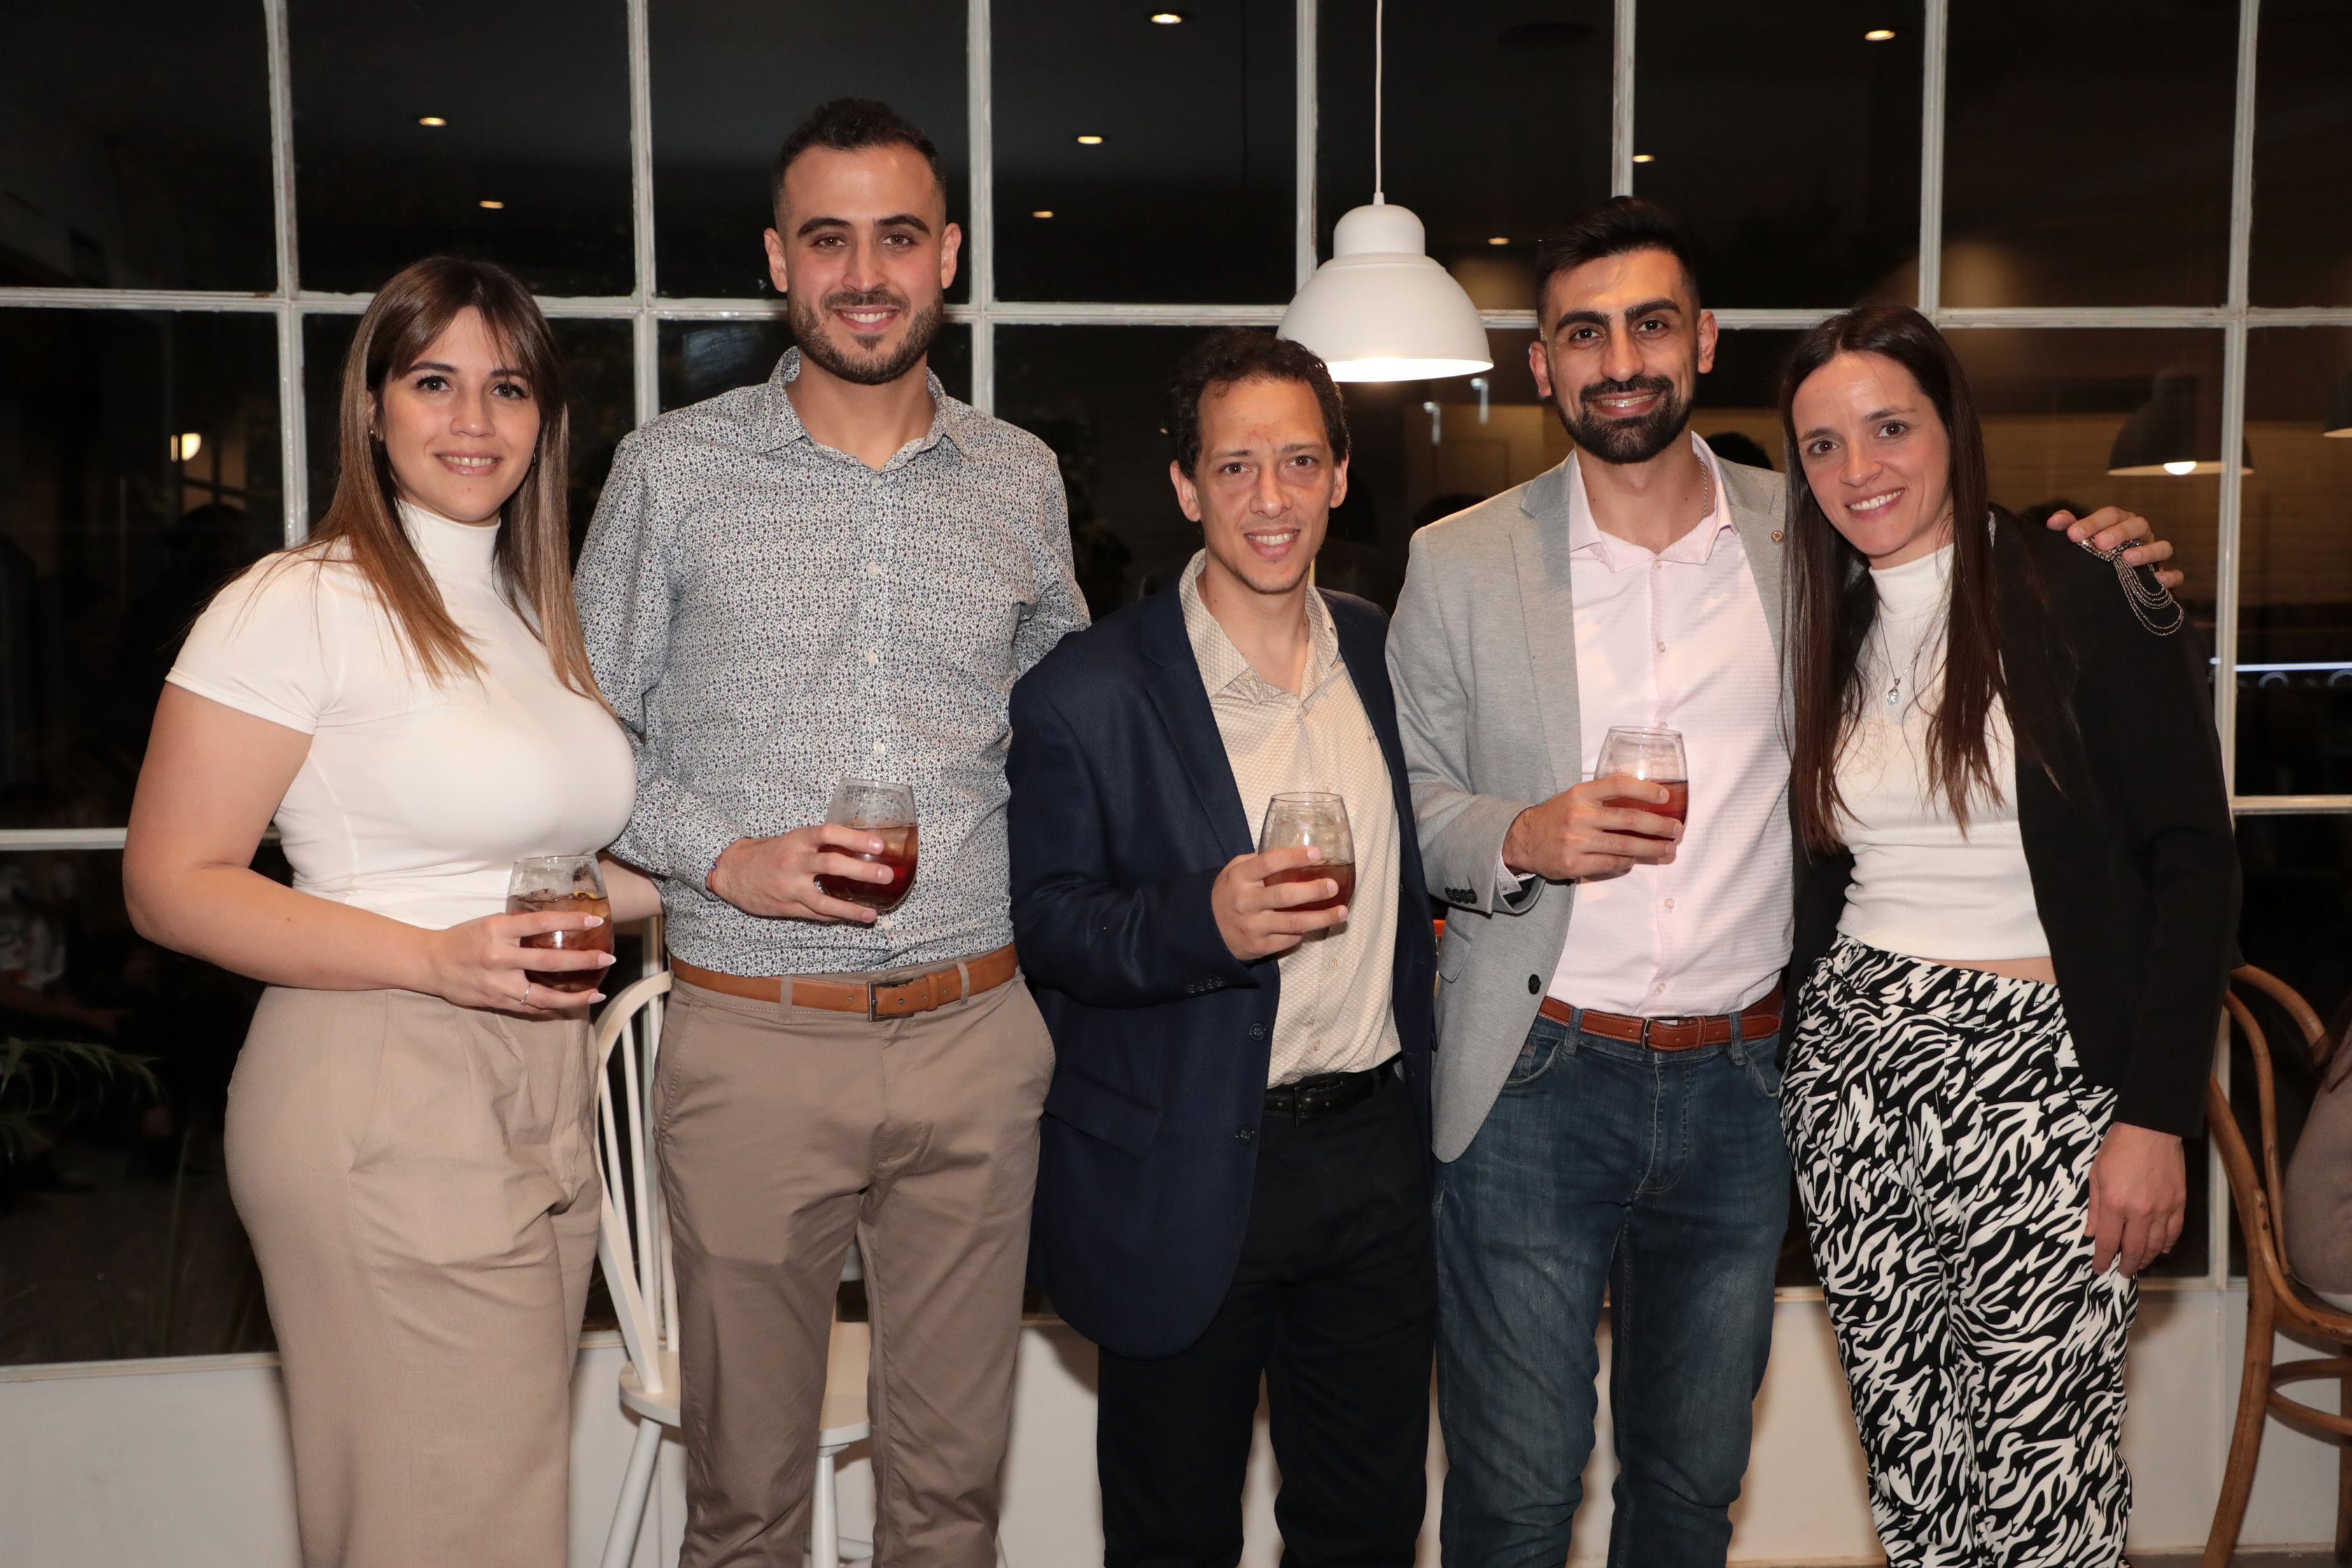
2294, 595
1738, 412
1498, 127
2303, 140
1787, 141
537, 121
2087, 153
597, 359
137, 146
139, 470
730, 82
1188, 196
703, 359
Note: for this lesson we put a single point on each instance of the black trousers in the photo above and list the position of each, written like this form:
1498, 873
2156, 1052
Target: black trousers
1334, 1304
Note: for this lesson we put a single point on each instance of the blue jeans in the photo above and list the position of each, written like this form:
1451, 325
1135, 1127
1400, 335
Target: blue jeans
1664, 1178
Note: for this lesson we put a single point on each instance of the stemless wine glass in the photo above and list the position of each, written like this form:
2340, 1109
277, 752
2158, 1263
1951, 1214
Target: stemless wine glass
1653, 756
887, 811
569, 885
1314, 819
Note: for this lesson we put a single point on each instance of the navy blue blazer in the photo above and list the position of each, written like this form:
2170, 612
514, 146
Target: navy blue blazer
1124, 810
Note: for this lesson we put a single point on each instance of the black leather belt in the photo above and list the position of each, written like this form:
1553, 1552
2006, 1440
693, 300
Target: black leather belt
1328, 1094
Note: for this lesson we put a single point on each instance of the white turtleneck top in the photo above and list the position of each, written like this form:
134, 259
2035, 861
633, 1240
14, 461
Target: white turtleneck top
416, 800
1923, 887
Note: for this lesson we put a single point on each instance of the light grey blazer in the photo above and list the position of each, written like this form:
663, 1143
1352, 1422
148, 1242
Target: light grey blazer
1482, 651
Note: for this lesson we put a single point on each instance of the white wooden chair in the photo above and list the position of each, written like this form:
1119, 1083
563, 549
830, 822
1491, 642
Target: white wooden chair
635, 1251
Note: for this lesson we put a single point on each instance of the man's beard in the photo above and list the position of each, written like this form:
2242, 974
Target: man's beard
1626, 440
810, 324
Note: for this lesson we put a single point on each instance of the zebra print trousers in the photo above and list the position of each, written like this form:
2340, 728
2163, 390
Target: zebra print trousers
1942, 1133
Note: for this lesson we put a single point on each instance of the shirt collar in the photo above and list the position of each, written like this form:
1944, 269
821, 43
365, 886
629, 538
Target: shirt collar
1223, 666
778, 423
1585, 538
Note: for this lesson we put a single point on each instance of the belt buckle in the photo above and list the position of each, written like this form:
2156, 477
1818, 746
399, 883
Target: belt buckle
873, 1001
1648, 1023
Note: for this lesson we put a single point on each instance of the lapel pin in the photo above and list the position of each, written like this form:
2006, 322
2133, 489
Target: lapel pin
1776, 536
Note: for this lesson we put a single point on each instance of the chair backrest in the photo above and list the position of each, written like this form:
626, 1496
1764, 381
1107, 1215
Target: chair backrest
634, 1243
2257, 1190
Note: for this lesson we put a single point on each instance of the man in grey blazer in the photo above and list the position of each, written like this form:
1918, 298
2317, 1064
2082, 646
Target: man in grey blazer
1610, 998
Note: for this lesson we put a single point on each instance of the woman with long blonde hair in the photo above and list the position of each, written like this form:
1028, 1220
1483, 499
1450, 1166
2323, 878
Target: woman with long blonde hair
410, 1136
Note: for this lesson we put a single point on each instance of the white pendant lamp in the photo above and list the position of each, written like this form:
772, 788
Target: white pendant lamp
1380, 309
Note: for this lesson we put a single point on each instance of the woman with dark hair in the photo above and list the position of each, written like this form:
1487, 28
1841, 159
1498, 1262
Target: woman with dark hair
409, 1133
2016, 927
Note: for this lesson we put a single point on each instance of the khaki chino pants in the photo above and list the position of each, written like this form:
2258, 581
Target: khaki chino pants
785, 1131
419, 1184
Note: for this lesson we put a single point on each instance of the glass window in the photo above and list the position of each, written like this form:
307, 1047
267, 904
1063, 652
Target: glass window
139, 470
703, 359
730, 82
599, 361
1786, 140
134, 151
1738, 408
416, 133
1138, 160
2294, 593
2302, 251
1498, 127
2087, 154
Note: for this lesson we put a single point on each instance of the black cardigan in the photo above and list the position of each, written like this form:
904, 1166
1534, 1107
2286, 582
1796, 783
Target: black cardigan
2130, 847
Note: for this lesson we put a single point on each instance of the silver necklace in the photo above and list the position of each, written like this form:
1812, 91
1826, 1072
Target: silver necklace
2147, 597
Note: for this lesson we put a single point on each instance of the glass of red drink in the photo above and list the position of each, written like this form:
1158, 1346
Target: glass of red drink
568, 885
887, 812
1314, 819
1653, 756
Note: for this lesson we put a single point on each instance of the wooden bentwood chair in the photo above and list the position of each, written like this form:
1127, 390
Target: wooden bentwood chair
634, 1252
2275, 1300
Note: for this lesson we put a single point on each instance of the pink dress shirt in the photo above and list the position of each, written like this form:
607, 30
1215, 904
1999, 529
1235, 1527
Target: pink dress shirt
1678, 641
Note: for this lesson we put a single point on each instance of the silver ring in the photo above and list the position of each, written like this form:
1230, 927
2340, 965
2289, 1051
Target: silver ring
524, 1000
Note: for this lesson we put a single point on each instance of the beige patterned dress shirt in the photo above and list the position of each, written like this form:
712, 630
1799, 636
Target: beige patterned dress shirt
1335, 1015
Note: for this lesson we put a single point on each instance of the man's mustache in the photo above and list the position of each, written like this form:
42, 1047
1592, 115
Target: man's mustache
864, 299
1600, 389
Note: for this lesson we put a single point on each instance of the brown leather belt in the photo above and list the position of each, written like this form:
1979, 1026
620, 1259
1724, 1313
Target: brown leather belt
892, 993
1755, 1020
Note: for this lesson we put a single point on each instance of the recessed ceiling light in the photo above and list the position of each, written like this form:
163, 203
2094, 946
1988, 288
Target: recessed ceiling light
490, 205
1879, 35
1498, 239
1090, 141
1644, 158
1043, 212
1168, 18
430, 120
186, 447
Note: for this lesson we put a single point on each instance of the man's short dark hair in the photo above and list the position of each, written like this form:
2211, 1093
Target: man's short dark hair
1618, 226
852, 125
1232, 356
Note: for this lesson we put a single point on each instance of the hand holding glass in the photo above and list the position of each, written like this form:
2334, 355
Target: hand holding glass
562, 885
1653, 756
1317, 820
887, 812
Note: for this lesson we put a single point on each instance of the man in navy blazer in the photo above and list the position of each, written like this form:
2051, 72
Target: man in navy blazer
1234, 1175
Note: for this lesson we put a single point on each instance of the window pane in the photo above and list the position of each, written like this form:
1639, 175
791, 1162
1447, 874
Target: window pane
1786, 139
530, 169
1498, 127
2295, 630
139, 470
2087, 154
703, 359
730, 82
1188, 196
598, 362
136, 154
2302, 139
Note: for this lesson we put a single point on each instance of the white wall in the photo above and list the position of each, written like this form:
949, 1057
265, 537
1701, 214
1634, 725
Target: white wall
185, 1464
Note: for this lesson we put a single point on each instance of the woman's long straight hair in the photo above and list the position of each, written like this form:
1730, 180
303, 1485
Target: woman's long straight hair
533, 556
1833, 604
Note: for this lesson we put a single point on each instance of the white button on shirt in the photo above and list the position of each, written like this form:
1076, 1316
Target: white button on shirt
1678, 640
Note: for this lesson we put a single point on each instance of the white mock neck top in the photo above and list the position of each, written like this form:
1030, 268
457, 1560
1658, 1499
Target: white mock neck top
416, 800
1922, 887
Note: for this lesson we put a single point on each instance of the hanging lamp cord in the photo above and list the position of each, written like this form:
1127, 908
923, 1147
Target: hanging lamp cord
1380, 46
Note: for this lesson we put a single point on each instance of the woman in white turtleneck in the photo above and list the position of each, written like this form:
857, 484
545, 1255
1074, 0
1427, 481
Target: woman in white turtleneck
410, 1129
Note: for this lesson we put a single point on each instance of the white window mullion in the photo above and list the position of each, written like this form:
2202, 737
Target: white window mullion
1621, 100
1937, 20
293, 454
2229, 551
980, 232
1306, 135
645, 335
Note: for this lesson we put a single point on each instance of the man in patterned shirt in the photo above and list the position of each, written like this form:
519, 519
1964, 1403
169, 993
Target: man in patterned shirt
839, 573
1236, 1176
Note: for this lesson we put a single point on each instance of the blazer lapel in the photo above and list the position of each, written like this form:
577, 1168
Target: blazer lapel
1182, 703
1759, 502
1547, 609
1365, 653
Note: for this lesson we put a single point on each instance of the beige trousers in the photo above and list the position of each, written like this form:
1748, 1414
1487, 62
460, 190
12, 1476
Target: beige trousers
419, 1183
785, 1130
